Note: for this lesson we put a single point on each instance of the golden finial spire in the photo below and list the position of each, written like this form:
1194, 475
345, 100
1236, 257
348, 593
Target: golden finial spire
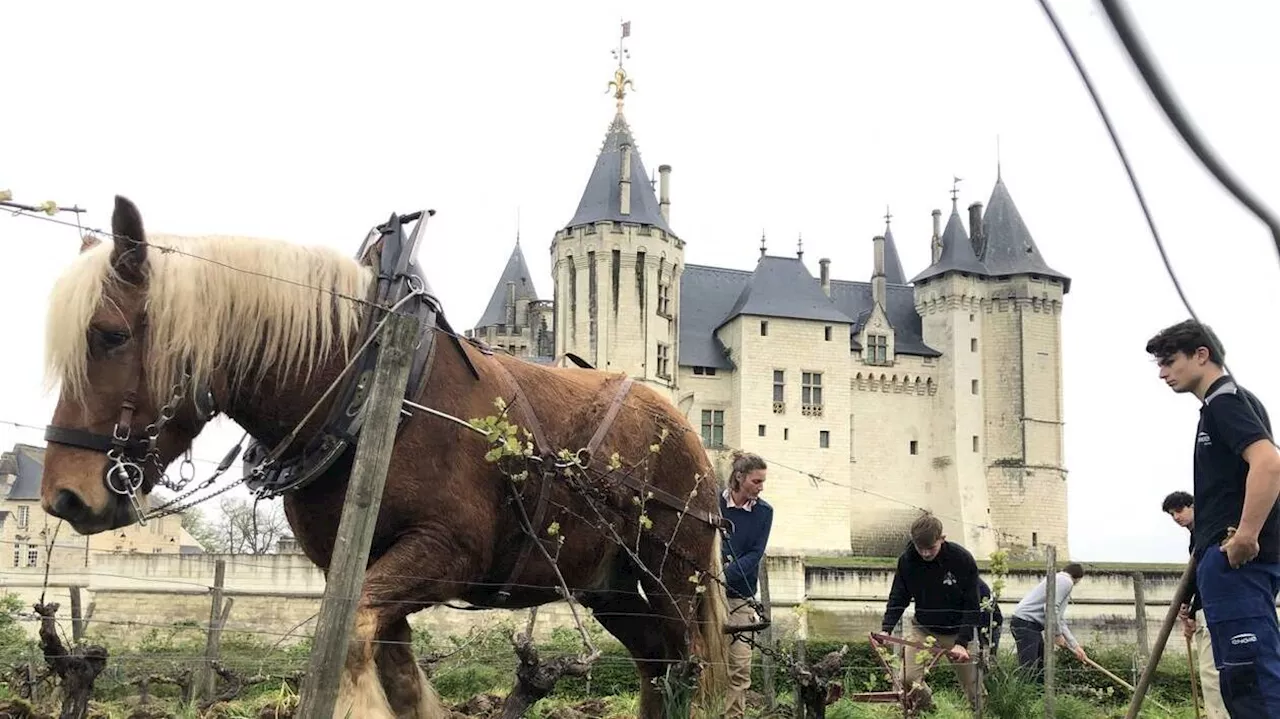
620, 82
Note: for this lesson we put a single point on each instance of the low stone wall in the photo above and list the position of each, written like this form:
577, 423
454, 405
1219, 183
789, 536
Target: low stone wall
276, 598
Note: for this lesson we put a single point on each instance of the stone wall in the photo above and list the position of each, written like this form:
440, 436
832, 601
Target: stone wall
277, 597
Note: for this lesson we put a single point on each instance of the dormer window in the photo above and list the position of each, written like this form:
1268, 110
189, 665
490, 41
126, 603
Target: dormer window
877, 351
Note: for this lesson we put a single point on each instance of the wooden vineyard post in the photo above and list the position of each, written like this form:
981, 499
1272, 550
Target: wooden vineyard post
767, 667
1050, 626
359, 516
206, 683
1140, 614
1170, 617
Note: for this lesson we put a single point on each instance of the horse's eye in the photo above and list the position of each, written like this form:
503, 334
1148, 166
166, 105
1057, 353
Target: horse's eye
112, 339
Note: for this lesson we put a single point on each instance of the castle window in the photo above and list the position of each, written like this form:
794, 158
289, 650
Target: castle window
760, 430
973, 344
33, 555
705, 371
1034, 539
811, 394
826, 333
779, 391
975, 443
664, 300
713, 427
786, 433
913, 447
877, 349
824, 439
973, 386
24, 516
764, 328
664, 360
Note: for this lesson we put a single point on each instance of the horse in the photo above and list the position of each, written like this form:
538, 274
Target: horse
149, 337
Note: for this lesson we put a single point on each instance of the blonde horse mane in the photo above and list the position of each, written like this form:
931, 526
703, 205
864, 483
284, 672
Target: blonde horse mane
204, 313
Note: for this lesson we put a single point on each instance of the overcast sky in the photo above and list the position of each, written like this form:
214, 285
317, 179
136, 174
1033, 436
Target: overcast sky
314, 123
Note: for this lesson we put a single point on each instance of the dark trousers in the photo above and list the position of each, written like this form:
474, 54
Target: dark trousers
1240, 609
1029, 638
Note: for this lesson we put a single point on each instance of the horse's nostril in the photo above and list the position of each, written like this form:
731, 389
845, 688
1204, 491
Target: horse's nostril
68, 505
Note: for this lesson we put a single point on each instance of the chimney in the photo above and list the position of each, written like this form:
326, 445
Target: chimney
664, 192
511, 307
824, 275
879, 291
624, 182
975, 228
937, 235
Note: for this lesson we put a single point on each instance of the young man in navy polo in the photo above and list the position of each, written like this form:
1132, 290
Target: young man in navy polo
1236, 535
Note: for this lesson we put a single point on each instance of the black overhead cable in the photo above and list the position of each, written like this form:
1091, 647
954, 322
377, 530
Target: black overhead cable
1172, 110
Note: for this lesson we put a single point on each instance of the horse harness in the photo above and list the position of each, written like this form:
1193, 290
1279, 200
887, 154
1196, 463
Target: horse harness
400, 283
546, 458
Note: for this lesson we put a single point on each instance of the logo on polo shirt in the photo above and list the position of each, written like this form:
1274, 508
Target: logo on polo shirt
949, 579
1246, 638
1202, 439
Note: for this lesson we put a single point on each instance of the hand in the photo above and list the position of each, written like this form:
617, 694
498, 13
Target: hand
1079, 652
1059, 641
1240, 548
1188, 627
958, 653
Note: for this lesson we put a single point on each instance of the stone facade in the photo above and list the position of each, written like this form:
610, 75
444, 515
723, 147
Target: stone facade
871, 400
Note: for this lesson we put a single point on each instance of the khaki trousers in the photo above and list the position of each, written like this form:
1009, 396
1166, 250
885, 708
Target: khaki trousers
913, 671
1213, 704
735, 705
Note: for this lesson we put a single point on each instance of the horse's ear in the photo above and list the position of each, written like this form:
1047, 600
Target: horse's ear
130, 252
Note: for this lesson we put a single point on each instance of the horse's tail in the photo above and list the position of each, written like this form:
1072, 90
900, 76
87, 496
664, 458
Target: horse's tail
713, 643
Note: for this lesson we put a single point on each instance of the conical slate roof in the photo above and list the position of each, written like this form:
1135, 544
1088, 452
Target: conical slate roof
893, 273
957, 252
601, 200
1010, 250
516, 271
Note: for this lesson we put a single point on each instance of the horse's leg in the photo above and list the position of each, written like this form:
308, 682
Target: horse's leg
406, 685
625, 614
402, 581
673, 613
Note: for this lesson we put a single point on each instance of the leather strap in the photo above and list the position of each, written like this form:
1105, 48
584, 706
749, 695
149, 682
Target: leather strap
543, 450
609, 416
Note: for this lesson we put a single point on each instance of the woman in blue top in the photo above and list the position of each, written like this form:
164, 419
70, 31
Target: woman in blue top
743, 552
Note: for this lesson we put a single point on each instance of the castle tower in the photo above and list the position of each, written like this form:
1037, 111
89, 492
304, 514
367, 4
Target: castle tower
950, 296
1021, 354
515, 320
617, 264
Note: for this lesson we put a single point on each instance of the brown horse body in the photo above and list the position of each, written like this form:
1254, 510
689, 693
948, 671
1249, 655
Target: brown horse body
447, 528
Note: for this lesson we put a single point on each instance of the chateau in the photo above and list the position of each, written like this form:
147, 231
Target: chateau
867, 399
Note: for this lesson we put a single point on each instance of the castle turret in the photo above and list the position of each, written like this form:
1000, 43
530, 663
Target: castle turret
1022, 368
617, 264
515, 319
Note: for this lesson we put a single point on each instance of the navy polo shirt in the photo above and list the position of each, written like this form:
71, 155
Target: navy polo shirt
1231, 419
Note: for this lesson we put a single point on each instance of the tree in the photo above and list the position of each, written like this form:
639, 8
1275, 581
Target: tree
203, 531
248, 527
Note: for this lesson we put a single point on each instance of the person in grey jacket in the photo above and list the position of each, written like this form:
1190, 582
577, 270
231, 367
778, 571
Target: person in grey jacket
1027, 624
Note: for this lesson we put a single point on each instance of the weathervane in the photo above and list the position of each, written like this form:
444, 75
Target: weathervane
620, 82
887, 216
955, 189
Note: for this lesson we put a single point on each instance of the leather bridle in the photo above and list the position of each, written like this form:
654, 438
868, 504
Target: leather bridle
129, 450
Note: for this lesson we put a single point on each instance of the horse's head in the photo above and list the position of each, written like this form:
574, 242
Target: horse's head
114, 429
